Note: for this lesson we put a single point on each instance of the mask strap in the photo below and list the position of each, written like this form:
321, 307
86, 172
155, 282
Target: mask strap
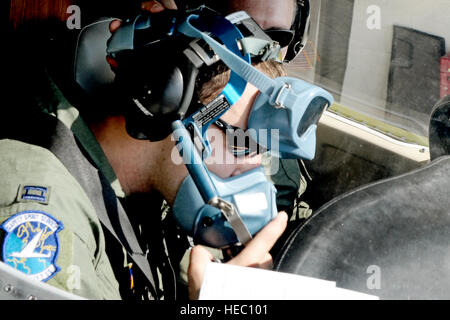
279, 92
124, 37
226, 31
229, 35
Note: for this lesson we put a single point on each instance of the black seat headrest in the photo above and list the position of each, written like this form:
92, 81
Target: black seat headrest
439, 131
399, 226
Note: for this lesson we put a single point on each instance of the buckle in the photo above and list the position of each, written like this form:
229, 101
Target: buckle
279, 100
232, 215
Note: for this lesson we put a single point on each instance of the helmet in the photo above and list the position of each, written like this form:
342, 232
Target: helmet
158, 69
300, 28
294, 39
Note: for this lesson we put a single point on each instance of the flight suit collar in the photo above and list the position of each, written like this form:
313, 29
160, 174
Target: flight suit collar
70, 116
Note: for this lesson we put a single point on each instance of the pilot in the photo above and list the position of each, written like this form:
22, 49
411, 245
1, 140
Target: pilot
62, 167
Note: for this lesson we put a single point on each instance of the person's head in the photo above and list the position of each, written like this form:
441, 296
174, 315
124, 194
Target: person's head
143, 166
270, 15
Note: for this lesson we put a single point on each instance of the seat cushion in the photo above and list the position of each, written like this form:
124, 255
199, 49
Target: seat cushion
397, 230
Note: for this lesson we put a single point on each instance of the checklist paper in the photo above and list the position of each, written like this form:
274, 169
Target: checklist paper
229, 282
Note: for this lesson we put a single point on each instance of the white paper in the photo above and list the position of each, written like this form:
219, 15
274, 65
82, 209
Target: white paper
229, 282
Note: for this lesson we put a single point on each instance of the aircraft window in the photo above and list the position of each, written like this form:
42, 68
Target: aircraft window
387, 63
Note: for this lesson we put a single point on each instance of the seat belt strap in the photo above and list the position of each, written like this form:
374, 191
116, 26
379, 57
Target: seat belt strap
60, 140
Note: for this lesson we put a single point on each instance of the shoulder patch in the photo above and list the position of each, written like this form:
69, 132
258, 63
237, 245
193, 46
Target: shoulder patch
31, 244
33, 193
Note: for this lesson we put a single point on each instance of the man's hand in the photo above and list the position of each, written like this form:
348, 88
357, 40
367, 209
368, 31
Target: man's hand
255, 254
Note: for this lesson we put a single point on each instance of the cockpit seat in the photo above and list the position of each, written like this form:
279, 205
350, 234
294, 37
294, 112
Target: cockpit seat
390, 239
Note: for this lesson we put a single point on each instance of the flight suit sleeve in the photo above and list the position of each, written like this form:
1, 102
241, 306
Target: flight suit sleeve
287, 178
48, 227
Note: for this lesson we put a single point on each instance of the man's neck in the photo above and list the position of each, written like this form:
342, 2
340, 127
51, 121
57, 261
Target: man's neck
131, 159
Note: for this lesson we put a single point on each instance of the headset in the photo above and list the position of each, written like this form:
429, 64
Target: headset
160, 57
156, 101
156, 81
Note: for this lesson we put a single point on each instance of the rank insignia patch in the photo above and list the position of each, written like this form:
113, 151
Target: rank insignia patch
34, 193
31, 244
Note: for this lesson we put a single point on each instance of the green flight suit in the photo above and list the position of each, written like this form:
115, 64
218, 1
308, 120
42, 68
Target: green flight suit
84, 267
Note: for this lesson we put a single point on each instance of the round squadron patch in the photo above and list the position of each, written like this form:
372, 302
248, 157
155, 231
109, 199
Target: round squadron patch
31, 244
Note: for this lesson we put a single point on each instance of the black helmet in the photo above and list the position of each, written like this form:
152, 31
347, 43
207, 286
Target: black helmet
301, 28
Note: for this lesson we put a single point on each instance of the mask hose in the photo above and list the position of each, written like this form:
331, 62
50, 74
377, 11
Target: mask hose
203, 182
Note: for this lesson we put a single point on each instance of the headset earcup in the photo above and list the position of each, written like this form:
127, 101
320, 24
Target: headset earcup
171, 94
149, 115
